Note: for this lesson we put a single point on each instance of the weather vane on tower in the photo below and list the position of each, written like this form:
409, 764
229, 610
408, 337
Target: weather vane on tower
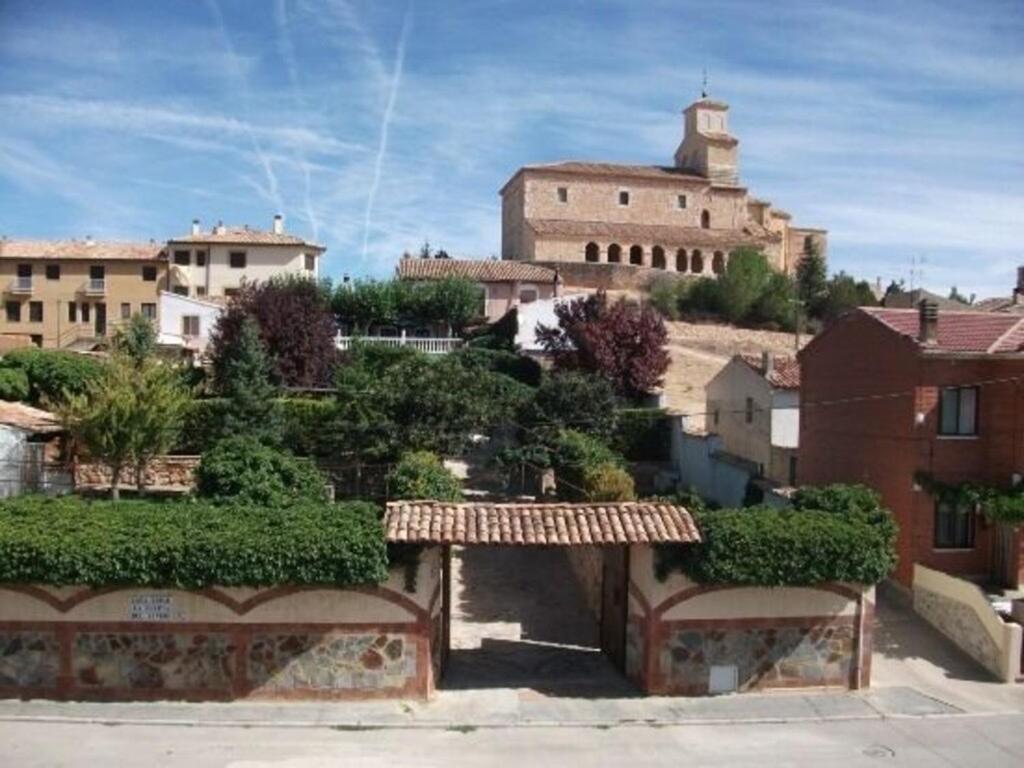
704, 84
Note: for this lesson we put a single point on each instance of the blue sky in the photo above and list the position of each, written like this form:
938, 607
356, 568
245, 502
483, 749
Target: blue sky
376, 125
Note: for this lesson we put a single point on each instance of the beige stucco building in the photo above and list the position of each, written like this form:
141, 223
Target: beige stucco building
213, 264
59, 293
680, 218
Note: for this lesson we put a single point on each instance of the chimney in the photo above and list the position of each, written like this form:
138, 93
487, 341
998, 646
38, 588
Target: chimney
219, 229
195, 226
1018, 291
278, 224
928, 332
767, 362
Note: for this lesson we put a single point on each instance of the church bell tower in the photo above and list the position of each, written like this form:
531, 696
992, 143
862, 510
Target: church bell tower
707, 148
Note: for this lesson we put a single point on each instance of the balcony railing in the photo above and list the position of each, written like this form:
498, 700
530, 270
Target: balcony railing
430, 345
96, 286
21, 285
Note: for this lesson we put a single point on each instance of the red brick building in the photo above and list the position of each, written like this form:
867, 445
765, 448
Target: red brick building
890, 396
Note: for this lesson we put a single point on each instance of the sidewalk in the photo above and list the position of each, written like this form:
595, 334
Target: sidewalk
498, 708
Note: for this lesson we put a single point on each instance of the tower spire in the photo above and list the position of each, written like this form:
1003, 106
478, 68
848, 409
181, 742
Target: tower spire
704, 84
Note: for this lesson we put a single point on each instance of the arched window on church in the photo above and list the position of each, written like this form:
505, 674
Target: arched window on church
592, 252
636, 255
697, 263
658, 257
705, 219
718, 263
614, 253
681, 260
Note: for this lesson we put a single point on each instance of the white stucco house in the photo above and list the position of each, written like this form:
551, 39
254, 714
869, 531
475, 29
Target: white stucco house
186, 323
753, 404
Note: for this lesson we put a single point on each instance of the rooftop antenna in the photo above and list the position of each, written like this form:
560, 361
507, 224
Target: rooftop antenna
704, 84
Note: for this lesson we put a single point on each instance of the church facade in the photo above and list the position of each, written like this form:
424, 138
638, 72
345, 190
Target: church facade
682, 218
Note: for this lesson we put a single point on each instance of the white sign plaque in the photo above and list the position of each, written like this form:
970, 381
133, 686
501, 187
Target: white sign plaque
151, 608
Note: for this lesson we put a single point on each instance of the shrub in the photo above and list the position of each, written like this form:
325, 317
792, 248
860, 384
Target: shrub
53, 374
745, 280
500, 334
189, 545
608, 482
702, 297
422, 475
643, 434
574, 454
523, 369
569, 400
14, 384
305, 425
664, 295
201, 426
837, 533
244, 470
366, 303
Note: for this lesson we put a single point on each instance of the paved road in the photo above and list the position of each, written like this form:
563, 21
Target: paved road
989, 741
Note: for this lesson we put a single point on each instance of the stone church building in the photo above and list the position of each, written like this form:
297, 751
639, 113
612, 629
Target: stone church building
683, 218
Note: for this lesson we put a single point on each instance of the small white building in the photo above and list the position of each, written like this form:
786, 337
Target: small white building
30, 452
186, 323
753, 404
214, 264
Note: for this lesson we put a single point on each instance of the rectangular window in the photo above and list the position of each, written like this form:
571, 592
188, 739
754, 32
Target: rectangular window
954, 525
149, 311
200, 290
181, 290
13, 309
72, 312
681, 202
126, 311
184, 258
35, 311
149, 274
717, 416
85, 313
190, 325
230, 292
236, 259
958, 411
24, 270
748, 413
53, 271
792, 470
200, 258
310, 262
37, 339
623, 197
563, 194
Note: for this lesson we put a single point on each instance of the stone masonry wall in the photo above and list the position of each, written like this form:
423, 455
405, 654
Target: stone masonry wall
168, 473
959, 623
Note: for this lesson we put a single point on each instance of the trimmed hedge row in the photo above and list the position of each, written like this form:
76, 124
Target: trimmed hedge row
852, 541
302, 422
189, 545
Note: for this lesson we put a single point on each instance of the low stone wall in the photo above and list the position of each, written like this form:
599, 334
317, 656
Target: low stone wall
587, 564
689, 639
164, 473
222, 643
960, 611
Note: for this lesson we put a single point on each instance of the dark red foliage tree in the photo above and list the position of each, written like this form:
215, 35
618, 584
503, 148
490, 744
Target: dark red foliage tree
296, 326
621, 341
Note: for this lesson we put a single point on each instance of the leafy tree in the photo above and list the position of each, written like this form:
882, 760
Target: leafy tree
622, 342
955, 295
844, 293
574, 455
53, 374
422, 475
745, 280
895, 287
665, 295
295, 323
608, 482
572, 400
13, 384
811, 277
777, 304
127, 415
137, 339
242, 375
242, 469
367, 303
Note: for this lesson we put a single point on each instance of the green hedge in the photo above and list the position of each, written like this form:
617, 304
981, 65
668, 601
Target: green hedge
854, 540
305, 425
52, 373
242, 469
523, 369
188, 544
643, 434
14, 384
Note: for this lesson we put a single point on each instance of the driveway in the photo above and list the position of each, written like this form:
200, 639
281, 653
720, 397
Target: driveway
519, 621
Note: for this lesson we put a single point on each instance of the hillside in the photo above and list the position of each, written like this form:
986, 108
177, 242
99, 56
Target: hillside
700, 350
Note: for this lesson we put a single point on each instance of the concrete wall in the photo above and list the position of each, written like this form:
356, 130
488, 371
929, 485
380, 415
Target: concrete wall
959, 610
587, 563
700, 464
691, 639
222, 642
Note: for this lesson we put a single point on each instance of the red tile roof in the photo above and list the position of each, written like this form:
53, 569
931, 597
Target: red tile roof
547, 524
658, 234
785, 370
245, 236
30, 419
87, 250
959, 331
484, 271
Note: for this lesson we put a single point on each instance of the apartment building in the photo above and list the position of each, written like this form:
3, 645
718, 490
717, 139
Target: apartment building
905, 401
67, 293
213, 264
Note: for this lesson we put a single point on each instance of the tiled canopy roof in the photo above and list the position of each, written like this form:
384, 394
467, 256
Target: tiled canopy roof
87, 250
245, 236
785, 370
484, 271
659, 234
546, 524
959, 331
30, 419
